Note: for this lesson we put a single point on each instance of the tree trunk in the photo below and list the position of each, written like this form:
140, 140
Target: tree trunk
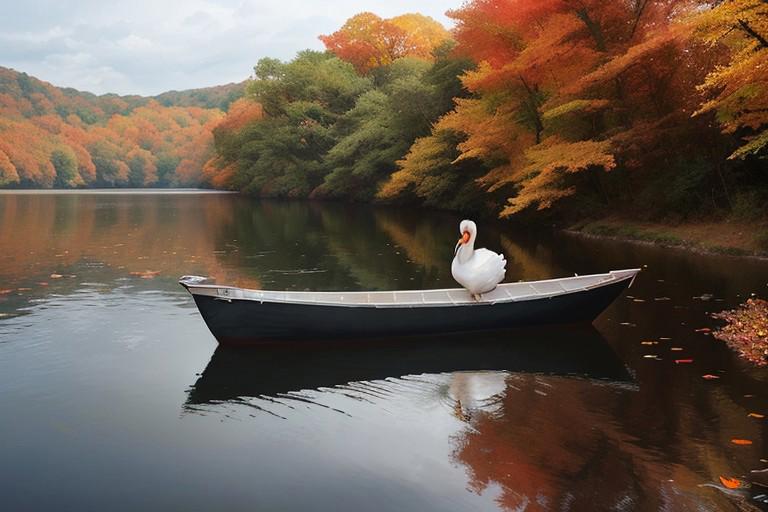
749, 30
640, 6
534, 107
593, 27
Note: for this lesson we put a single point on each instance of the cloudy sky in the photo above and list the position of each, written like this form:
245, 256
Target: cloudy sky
150, 46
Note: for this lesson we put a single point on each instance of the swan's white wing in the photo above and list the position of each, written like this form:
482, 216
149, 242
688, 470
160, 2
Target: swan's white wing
482, 272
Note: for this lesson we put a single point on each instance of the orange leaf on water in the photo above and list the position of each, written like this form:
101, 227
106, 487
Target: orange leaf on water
741, 442
4, 292
709, 376
730, 483
756, 415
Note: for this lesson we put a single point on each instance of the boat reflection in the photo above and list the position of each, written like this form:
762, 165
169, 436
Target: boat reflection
233, 374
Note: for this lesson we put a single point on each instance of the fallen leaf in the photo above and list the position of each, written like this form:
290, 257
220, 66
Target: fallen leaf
730, 483
649, 342
709, 376
23, 289
683, 361
741, 442
703, 329
665, 339
661, 299
638, 300
650, 356
56, 276
146, 274
756, 415
676, 349
5, 292
43, 283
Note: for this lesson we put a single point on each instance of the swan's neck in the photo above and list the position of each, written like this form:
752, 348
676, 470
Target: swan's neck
466, 251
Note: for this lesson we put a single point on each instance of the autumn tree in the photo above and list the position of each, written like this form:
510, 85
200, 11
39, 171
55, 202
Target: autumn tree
65, 163
738, 90
369, 42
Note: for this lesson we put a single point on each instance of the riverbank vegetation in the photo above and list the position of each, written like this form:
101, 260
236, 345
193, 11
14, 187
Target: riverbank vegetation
546, 111
552, 109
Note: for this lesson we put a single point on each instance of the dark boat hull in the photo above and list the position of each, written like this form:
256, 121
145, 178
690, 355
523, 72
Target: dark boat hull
244, 322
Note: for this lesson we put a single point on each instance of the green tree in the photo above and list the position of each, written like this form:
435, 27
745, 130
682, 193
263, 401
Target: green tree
65, 163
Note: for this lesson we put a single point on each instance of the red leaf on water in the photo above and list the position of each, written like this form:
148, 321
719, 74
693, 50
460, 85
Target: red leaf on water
683, 361
730, 483
709, 376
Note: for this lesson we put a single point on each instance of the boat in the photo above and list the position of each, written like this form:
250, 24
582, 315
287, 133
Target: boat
239, 316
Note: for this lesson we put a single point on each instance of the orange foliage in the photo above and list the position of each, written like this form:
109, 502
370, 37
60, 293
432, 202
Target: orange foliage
368, 41
127, 137
241, 112
567, 86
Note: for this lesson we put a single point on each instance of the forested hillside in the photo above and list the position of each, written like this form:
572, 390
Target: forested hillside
54, 137
653, 107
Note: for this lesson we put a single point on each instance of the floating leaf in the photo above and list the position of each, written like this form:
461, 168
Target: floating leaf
756, 415
683, 361
703, 329
709, 376
5, 292
676, 349
56, 276
147, 274
730, 483
649, 342
741, 442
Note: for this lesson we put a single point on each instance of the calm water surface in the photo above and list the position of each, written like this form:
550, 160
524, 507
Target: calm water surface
114, 395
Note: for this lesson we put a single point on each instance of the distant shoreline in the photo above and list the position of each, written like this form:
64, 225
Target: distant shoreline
124, 191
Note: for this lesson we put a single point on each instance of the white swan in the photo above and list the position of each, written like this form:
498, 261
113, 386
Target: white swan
477, 270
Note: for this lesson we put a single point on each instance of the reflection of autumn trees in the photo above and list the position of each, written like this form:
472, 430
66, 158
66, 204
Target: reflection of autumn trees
565, 444
42, 234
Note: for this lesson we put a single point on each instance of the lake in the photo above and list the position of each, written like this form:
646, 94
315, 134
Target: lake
115, 396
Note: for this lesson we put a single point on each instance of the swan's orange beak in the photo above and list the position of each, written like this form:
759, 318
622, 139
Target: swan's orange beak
464, 239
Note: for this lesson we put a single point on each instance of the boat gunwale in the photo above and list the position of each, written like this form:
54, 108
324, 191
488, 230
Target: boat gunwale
224, 293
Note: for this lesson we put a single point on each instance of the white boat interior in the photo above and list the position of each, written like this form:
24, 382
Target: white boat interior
506, 292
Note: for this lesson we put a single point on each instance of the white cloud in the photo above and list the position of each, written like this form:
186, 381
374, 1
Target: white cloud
149, 46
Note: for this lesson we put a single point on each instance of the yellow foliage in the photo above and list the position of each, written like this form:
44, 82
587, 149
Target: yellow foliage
417, 169
541, 181
575, 106
739, 89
